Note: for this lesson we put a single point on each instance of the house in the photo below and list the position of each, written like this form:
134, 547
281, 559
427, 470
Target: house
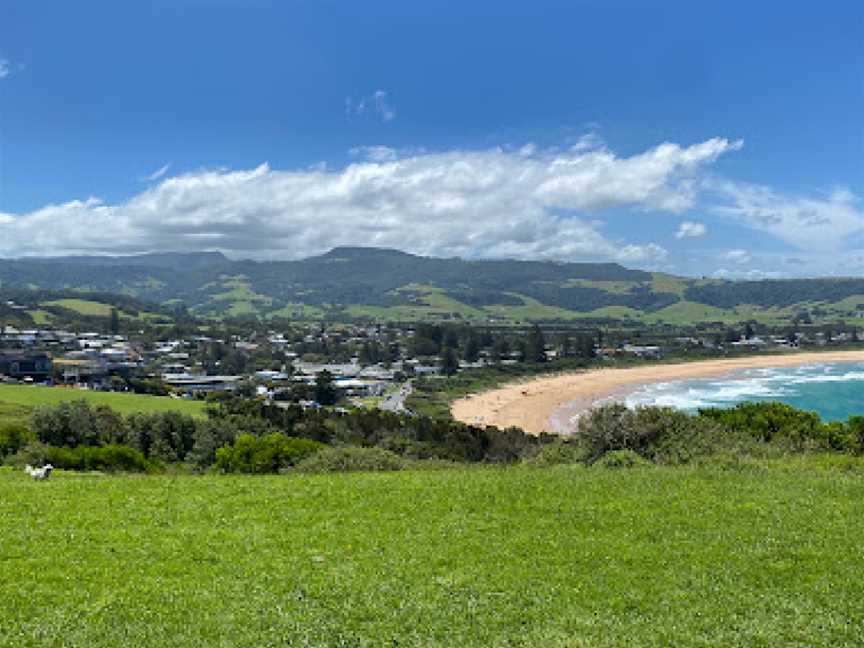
643, 351
192, 384
26, 366
82, 367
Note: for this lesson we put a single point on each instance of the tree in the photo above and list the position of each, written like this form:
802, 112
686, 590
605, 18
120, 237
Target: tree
567, 347
535, 345
325, 390
584, 347
114, 323
449, 361
471, 351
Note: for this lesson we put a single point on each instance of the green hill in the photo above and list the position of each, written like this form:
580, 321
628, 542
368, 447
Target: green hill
387, 284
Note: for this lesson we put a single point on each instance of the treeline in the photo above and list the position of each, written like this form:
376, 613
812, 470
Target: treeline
241, 435
459, 342
774, 293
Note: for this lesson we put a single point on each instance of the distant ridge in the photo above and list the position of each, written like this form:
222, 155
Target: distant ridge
381, 283
177, 260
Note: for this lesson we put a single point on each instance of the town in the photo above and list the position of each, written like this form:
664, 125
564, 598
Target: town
315, 364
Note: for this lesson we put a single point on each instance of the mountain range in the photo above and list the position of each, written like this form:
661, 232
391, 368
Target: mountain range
384, 284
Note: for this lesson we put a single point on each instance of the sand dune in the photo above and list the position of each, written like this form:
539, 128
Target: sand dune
530, 404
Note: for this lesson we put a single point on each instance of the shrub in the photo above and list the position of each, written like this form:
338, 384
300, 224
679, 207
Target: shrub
13, 437
166, 436
75, 423
660, 434
215, 433
33, 453
557, 452
617, 459
266, 454
772, 422
855, 434
682, 438
351, 458
108, 458
615, 427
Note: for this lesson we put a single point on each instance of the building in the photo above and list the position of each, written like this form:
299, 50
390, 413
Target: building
195, 384
26, 366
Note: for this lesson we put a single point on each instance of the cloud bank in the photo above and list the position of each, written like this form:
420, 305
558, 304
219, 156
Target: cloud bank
522, 203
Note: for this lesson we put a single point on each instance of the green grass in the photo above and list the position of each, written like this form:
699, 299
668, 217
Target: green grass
82, 306
89, 308
40, 317
531, 310
298, 312
567, 556
17, 401
617, 287
617, 312
662, 282
239, 299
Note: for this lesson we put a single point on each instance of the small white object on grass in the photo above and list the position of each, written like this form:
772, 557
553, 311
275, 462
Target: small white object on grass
40, 474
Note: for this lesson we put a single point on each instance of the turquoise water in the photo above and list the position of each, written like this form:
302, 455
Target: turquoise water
834, 390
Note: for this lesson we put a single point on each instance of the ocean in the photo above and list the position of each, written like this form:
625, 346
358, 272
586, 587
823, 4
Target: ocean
833, 390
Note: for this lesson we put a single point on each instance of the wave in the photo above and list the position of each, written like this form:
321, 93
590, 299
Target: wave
784, 384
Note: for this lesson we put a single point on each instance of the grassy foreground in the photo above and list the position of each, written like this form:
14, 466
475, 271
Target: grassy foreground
564, 556
18, 401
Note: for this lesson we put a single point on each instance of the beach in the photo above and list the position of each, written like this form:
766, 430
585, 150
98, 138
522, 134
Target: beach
548, 403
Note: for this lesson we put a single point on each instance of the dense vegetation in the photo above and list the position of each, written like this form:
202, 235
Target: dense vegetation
246, 436
241, 435
775, 293
746, 431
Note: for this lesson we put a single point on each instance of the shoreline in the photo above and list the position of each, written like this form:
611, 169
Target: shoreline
543, 404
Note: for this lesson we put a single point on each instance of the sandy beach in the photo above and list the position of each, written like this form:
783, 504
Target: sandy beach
532, 404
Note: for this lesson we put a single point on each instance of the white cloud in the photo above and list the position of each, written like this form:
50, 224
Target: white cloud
651, 253
690, 229
587, 142
752, 274
807, 223
5, 68
158, 173
377, 103
488, 203
737, 256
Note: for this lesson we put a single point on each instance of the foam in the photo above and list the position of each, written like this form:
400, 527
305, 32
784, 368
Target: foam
753, 384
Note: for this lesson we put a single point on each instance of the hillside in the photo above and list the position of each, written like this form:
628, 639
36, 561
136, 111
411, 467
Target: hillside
388, 284
24, 308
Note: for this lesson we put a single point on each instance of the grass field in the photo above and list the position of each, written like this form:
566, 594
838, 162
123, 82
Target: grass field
17, 401
83, 306
89, 308
565, 556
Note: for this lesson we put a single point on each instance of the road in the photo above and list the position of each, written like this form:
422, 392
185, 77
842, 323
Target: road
395, 402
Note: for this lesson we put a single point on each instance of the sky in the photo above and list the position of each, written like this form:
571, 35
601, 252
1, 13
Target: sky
705, 139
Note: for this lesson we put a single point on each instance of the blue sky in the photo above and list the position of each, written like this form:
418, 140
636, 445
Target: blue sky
481, 129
